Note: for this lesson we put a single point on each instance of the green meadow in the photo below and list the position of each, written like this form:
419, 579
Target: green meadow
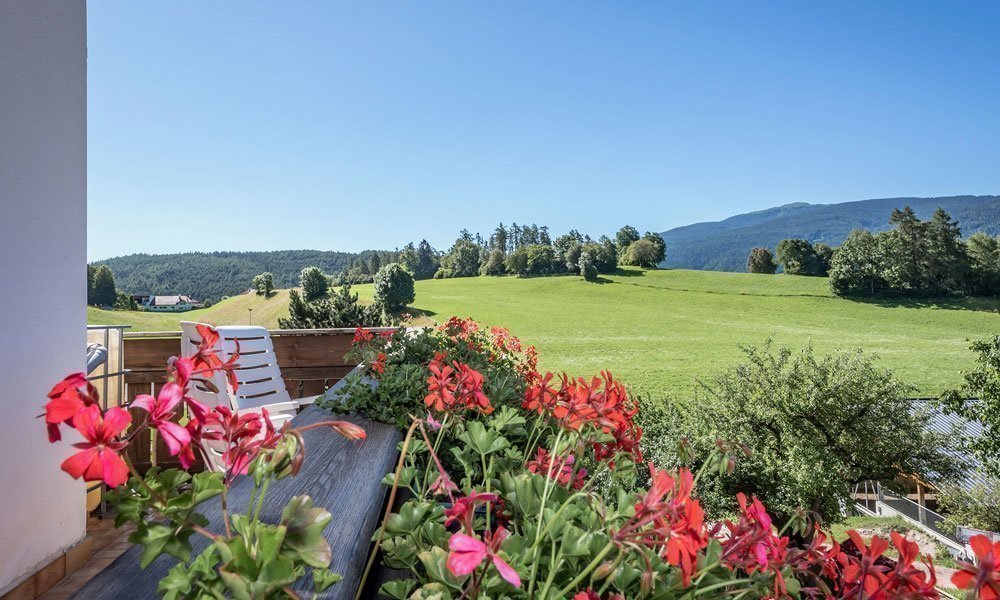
662, 331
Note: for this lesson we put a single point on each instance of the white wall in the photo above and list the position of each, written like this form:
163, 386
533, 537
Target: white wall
43, 228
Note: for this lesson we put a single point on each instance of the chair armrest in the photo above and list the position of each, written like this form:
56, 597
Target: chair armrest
307, 400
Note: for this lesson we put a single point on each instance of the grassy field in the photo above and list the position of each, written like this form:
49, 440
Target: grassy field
661, 331
232, 311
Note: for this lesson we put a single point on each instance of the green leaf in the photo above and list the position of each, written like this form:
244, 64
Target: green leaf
304, 526
157, 538
197, 579
483, 441
575, 542
398, 589
324, 578
409, 518
434, 561
206, 485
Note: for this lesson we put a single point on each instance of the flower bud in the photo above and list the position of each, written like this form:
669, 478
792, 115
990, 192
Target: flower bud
605, 569
646, 583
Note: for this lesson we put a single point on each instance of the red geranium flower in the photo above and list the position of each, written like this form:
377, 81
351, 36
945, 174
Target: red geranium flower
666, 517
379, 365
455, 386
66, 400
98, 459
362, 336
558, 469
983, 579
462, 511
206, 361
865, 574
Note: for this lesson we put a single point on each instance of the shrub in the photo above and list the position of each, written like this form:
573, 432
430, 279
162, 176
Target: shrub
394, 287
314, 283
341, 309
816, 425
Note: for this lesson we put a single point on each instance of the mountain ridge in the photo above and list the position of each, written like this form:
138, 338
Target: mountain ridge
723, 245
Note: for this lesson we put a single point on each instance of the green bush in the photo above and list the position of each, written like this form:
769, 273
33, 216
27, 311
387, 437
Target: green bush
816, 425
587, 268
341, 309
394, 287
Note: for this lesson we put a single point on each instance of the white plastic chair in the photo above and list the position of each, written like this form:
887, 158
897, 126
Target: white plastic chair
257, 373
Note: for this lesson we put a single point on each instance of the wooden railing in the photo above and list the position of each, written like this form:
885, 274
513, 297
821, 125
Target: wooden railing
311, 360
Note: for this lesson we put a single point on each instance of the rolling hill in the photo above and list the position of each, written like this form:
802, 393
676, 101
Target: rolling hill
662, 331
213, 275
724, 245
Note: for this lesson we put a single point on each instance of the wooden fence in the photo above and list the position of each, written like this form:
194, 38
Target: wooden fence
311, 360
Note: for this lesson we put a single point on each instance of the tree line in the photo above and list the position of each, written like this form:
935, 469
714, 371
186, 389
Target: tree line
528, 250
914, 258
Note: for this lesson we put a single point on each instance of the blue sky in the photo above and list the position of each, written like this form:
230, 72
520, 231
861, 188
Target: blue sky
235, 125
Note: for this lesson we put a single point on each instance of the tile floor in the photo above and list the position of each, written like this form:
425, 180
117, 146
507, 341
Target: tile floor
108, 544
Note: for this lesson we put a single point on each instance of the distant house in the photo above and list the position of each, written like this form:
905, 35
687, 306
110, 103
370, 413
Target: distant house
169, 304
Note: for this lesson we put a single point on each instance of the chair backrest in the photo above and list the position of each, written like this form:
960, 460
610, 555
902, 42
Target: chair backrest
189, 346
257, 372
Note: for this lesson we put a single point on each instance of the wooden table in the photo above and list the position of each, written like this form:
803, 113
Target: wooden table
340, 475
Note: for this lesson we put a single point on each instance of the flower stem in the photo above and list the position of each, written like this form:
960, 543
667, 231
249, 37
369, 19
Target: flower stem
586, 571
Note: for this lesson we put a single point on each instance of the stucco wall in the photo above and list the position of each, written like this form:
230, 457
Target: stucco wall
43, 212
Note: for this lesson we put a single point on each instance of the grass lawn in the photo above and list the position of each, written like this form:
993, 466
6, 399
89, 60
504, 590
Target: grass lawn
232, 311
660, 331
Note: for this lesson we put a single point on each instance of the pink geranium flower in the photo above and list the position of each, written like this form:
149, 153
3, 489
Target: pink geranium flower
98, 459
468, 552
162, 411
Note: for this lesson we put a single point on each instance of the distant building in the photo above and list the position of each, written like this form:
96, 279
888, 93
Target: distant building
169, 304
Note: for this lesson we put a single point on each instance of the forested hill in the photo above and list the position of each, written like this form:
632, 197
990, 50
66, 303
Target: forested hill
212, 275
724, 245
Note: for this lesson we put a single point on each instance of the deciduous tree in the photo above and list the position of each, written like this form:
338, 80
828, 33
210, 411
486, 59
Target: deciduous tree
816, 426
643, 253
761, 260
979, 400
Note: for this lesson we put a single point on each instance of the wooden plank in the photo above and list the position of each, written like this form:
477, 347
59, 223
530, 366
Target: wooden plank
342, 476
